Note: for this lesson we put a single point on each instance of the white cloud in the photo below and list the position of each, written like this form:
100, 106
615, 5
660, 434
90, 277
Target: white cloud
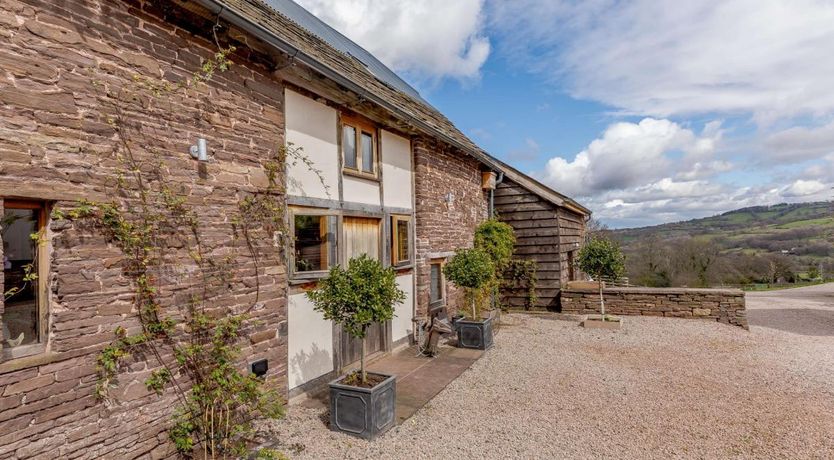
803, 188
633, 154
427, 40
770, 58
800, 143
659, 171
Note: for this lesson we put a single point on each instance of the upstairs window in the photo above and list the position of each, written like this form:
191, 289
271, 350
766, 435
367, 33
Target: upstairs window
23, 320
400, 240
315, 243
359, 148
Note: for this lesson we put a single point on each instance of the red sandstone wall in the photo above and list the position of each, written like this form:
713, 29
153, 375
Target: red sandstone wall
55, 144
442, 228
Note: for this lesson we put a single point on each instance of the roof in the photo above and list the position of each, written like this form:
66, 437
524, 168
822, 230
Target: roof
289, 27
321, 29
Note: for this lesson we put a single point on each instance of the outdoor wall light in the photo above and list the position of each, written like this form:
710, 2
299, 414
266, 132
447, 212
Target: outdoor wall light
449, 198
199, 151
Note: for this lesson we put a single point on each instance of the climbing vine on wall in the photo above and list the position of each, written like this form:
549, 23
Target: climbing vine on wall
192, 342
520, 274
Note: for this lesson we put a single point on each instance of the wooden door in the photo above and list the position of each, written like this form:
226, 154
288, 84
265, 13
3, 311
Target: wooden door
362, 236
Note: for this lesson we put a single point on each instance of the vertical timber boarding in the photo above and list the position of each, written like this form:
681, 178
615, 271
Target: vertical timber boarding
544, 233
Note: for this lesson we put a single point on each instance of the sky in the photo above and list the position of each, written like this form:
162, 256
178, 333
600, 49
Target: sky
644, 111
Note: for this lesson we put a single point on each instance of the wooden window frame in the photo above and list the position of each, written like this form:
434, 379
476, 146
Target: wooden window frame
395, 247
42, 256
360, 126
313, 274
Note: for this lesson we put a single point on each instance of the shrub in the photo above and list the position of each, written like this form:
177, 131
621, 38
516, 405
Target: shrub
470, 269
496, 239
355, 298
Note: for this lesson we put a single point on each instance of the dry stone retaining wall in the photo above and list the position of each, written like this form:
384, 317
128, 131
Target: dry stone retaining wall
722, 305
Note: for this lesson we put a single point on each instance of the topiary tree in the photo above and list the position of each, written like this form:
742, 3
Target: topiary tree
601, 257
355, 298
470, 269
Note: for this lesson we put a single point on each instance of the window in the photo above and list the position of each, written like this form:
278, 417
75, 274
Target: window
23, 230
349, 147
315, 248
436, 294
400, 240
359, 148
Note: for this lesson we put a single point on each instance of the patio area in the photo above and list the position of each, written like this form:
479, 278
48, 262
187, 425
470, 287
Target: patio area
659, 388
419, 378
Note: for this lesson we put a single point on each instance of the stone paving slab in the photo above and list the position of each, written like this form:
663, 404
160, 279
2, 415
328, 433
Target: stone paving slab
419, 378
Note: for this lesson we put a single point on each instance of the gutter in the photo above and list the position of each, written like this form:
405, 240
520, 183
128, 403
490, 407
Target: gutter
219, 8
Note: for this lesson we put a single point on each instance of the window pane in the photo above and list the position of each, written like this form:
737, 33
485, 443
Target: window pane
349, 146
401, 238
436, 289
367, 152
313, 241
20, 254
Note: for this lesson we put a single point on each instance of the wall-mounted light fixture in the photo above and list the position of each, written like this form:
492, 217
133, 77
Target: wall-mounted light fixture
200, 151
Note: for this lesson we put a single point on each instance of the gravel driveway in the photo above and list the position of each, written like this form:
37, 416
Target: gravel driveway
659, 388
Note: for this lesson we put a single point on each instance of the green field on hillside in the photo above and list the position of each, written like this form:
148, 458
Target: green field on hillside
800, 235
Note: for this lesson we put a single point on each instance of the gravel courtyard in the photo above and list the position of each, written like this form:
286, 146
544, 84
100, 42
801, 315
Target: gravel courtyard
659, 388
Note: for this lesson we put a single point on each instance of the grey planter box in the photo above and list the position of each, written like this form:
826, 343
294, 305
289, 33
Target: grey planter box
475, 334
363, 412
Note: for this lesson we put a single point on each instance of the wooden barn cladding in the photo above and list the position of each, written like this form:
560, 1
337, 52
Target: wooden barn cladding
546, 233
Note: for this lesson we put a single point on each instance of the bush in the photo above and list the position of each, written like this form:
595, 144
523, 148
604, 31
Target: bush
470, 269
496, 239
355, 298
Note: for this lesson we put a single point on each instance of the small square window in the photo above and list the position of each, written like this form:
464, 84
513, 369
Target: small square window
22, 227
315, 248
400, 240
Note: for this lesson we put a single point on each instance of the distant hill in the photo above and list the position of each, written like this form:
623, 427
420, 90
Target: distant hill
801, 234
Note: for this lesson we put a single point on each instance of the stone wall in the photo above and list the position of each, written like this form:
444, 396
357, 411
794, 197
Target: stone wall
442, 227
722, 305
63, 67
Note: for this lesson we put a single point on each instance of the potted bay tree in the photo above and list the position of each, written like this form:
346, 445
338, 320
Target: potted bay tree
361, 403
472, 269
601, 257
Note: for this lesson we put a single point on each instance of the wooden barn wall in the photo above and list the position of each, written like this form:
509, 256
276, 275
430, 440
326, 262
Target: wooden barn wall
545, 233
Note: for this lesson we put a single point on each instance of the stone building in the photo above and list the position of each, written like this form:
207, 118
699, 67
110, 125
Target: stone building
388, 175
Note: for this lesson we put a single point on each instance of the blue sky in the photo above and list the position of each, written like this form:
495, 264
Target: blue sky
645, 111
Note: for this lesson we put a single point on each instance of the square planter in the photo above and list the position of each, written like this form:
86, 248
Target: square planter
596, 322
363, 412
475, 334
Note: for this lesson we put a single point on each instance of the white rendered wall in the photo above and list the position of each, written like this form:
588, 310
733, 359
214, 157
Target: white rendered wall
312, 126
357, 190
310, 342
396, 170
401, 325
